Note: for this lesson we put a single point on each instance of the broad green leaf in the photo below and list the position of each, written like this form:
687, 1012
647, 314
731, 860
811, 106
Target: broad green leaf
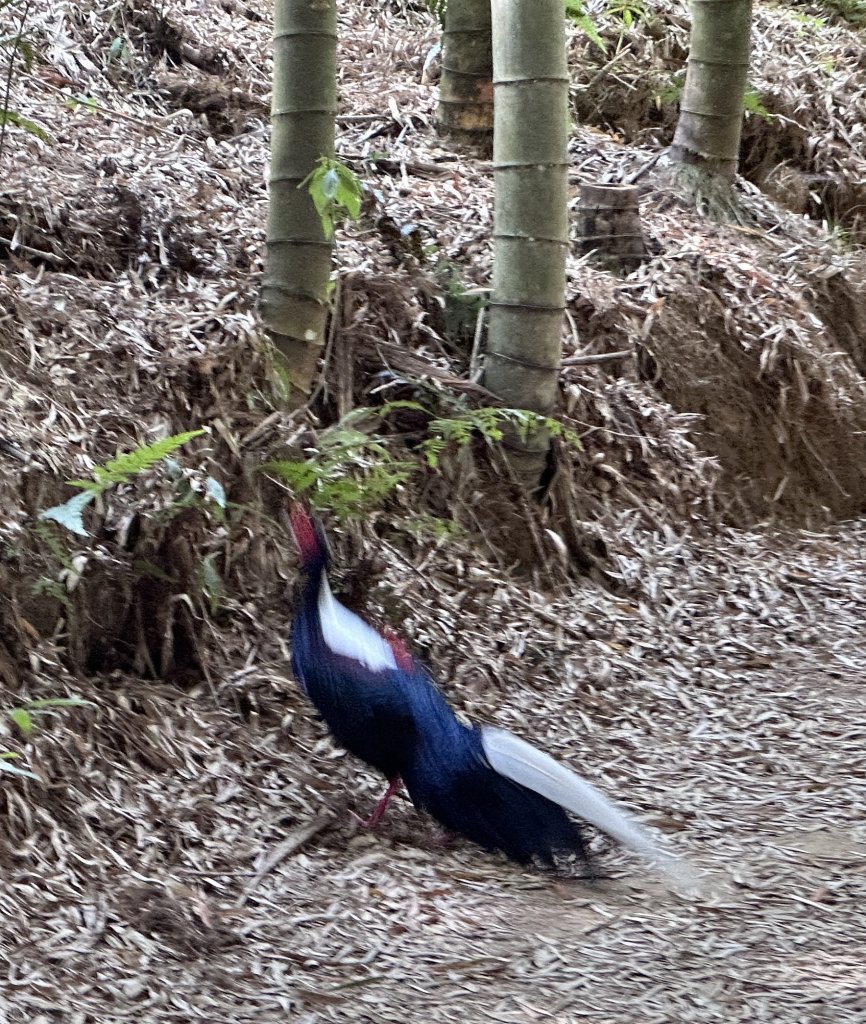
19, 121
69, 513
59, 702
348, 193
79, 100
211, 581
336, 192
215, 491
329, 183
23, 719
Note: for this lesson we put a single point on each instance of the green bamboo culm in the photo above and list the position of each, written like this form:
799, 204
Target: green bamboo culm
466, 85
294, 295
711, 111
530, 168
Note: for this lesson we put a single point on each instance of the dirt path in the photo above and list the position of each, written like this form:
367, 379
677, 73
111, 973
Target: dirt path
164, 874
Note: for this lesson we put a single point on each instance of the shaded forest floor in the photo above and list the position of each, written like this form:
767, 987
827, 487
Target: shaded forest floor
190, 862
188, 855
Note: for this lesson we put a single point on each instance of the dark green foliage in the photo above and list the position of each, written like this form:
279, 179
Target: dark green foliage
119, 470
17, 46
354, 468
576, 12
336, 192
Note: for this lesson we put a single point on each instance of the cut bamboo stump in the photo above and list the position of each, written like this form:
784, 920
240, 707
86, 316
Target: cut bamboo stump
609, 227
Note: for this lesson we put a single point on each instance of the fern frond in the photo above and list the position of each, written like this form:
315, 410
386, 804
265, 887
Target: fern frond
123, 467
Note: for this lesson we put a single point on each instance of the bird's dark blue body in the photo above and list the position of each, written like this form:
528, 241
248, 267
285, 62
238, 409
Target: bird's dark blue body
365, 708
449, 776
481, 782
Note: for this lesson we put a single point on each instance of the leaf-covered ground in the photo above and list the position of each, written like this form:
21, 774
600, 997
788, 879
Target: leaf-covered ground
189, 855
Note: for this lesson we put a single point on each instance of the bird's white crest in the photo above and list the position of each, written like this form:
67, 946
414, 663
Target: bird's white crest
526, 765
347, 634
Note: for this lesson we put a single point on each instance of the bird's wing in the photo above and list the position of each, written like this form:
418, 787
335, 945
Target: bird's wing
348, 635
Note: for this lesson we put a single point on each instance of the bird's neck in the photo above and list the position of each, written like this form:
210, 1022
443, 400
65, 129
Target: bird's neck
314, 574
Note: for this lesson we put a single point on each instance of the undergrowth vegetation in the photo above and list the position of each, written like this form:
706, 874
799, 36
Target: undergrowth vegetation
17, 47
120, 470
26, 719
356, 465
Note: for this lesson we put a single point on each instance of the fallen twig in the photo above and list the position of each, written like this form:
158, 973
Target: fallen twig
602, 357
288, 846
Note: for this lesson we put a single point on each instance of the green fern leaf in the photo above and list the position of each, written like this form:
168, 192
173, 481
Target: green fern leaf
129, 464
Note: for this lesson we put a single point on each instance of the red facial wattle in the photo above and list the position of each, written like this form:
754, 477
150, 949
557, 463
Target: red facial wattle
304, 530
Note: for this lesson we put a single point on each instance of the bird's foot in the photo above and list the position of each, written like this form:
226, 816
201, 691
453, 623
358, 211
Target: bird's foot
371, 821
379, 810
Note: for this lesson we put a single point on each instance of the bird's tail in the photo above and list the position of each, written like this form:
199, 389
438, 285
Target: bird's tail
524, 764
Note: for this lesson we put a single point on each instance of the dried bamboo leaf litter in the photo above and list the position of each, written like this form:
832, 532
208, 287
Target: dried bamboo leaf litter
177, 865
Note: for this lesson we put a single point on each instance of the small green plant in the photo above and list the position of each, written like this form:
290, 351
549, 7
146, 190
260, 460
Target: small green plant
672, 92
17, 46
25, 719
336, 192
56, 582
120, 50
752, 104
119, 470
806, 23
840, 238
353, 470
576, 12
423, 526
49, 537
437, 9
488, 423
190, 492
461, 305
629, 12
852, 11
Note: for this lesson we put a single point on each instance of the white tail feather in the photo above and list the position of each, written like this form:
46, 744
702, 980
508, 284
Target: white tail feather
347, 634
526, 765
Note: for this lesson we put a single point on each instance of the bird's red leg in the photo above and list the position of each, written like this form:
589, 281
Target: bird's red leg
381, 806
